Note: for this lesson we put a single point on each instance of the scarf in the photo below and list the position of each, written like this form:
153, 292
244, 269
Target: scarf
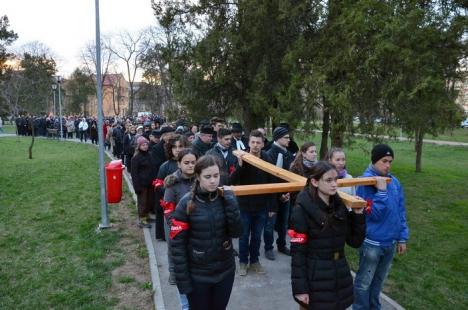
342, 174
308, 163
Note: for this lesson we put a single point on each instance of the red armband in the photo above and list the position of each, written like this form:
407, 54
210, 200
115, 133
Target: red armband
297, 237
368, 208
232, 169
168, 207
177, 227
157, 183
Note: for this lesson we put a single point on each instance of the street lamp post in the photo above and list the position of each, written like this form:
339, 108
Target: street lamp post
59, 81
54, 87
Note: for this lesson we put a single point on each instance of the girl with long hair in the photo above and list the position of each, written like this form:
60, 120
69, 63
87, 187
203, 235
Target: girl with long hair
337, 158
305, 159
202, 228
320, 227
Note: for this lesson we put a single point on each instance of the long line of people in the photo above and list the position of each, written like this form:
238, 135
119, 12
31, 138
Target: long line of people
177, 172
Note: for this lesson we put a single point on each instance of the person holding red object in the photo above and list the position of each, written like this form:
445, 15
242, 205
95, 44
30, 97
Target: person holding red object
320, 227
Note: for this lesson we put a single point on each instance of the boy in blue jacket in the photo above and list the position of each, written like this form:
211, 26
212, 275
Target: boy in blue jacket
386, 231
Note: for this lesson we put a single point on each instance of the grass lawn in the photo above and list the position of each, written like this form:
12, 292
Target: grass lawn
458, 135
9, 128
434, 272
51, 255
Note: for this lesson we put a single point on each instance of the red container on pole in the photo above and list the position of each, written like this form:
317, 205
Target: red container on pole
114, 174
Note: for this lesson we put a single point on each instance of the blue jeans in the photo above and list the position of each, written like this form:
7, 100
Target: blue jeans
278, 222
249, 242
374, 265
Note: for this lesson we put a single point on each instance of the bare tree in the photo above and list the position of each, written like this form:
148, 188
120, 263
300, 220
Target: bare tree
88, 56
130, 48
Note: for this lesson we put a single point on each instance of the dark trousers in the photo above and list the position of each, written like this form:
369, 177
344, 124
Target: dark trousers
249, 242
145, 201
83, 135
159, 212
278, 222
211, 296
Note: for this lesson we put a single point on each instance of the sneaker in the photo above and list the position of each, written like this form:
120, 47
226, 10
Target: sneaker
144, 223
172, 279
270, 254
257, 267
285, 250
242, 269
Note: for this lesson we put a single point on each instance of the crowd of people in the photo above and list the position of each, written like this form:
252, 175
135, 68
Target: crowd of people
182, 174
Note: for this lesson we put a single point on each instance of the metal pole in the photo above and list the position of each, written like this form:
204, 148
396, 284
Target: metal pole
54, 102
102, 178
60, 107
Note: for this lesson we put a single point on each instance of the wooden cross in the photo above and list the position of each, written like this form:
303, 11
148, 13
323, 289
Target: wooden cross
294, 182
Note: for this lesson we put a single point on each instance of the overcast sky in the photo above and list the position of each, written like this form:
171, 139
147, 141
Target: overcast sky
65, 26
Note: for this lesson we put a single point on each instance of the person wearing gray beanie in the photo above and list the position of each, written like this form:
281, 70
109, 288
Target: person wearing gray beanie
279, 132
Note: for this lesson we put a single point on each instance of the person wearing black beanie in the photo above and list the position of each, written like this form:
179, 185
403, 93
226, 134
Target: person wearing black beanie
379, 151
386, 228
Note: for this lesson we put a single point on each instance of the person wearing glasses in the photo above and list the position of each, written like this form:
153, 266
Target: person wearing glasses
320, 227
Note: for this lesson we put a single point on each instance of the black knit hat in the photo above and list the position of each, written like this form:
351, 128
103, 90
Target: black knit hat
236, 127
166, 129
379, 151
279, 132
207, 129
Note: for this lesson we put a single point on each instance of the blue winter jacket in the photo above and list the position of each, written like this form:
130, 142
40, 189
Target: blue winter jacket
386, 221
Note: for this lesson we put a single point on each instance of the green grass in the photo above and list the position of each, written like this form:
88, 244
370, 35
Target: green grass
9, 128
434, 272
51, 256
458, 135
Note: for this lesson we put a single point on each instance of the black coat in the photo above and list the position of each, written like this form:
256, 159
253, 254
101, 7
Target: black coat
318, 236
200, 148
201, 242
129, 144
228, 164
247, 175
142, 171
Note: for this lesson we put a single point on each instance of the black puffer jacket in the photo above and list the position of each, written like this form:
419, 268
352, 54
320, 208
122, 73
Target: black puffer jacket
142, 171
201, 242
318, 236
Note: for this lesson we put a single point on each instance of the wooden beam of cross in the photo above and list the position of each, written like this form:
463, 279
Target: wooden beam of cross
294, 182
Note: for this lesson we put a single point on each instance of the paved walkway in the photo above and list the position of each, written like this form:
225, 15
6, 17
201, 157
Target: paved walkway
252, 292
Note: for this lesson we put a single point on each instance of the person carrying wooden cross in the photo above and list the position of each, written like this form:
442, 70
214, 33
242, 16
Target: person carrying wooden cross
386, 231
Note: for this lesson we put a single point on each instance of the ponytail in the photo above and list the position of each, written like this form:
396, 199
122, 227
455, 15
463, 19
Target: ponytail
191, 202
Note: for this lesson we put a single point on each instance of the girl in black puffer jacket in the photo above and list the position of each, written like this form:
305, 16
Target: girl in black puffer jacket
320, 227
202, 228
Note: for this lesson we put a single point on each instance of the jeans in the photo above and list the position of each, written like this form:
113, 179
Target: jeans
279, 222
374, 265
249, 242
211, 296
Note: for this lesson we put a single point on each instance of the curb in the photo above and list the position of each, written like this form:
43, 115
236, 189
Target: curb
158, 298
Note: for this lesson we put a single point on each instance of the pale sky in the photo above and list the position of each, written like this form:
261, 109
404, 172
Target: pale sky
65, 26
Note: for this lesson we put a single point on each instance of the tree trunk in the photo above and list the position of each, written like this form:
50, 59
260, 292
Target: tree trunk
249, 119
419, 136
132, 99
325, 131
337, 132
32, 140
